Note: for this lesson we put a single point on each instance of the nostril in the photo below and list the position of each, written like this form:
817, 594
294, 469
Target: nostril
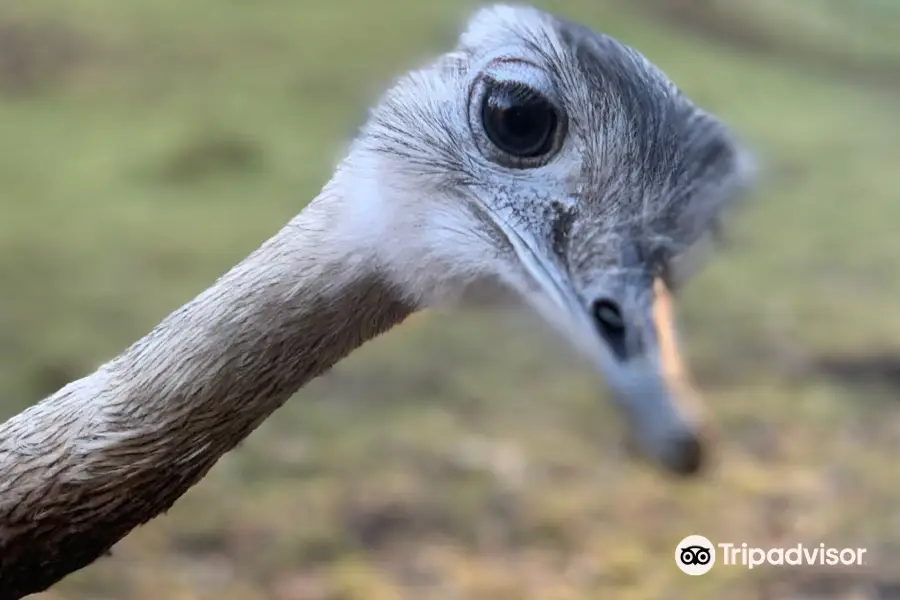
687, 455
608, 316
610, 325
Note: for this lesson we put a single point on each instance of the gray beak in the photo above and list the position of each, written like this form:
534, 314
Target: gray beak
662, 409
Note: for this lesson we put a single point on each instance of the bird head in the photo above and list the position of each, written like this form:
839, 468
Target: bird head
562, 164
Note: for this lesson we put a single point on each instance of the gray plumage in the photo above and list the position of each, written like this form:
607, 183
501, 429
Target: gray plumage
589, 227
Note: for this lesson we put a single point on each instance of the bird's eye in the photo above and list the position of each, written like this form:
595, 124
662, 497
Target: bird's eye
608, 317
518, 120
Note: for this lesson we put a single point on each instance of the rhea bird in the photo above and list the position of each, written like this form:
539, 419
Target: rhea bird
538, 156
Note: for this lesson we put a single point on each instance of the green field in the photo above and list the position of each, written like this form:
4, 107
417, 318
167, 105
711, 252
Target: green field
146, 146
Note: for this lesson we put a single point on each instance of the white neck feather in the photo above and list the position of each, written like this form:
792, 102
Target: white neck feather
110, 451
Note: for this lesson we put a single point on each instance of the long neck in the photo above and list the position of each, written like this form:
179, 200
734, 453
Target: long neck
108, 452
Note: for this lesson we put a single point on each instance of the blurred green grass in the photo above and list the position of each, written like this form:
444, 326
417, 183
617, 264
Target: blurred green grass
148, 146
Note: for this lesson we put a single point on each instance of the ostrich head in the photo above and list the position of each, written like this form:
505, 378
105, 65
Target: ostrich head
560, 163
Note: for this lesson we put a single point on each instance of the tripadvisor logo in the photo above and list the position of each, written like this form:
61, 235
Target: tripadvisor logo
744, 555
696, 555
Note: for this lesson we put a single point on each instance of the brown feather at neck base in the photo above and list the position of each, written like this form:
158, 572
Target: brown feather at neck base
111, 451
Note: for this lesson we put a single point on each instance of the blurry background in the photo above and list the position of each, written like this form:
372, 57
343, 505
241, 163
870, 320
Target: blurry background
146, 146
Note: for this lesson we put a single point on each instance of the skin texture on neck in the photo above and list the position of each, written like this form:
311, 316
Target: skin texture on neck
112, 450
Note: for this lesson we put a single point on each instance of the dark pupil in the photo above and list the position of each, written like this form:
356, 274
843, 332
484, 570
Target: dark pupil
519, 121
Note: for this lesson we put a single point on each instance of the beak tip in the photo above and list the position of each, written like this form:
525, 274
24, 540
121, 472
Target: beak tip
693, 453
687, 456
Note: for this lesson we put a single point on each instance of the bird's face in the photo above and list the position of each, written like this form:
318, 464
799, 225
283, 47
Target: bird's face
561, 163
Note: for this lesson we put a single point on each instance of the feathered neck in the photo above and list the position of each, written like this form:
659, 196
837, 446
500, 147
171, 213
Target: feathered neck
112, 450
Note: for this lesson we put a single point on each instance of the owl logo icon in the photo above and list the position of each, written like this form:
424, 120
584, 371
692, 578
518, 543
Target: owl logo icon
695, 555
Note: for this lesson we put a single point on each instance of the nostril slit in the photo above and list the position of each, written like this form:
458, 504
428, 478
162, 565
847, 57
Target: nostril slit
688, 455
608, 316
610, 325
